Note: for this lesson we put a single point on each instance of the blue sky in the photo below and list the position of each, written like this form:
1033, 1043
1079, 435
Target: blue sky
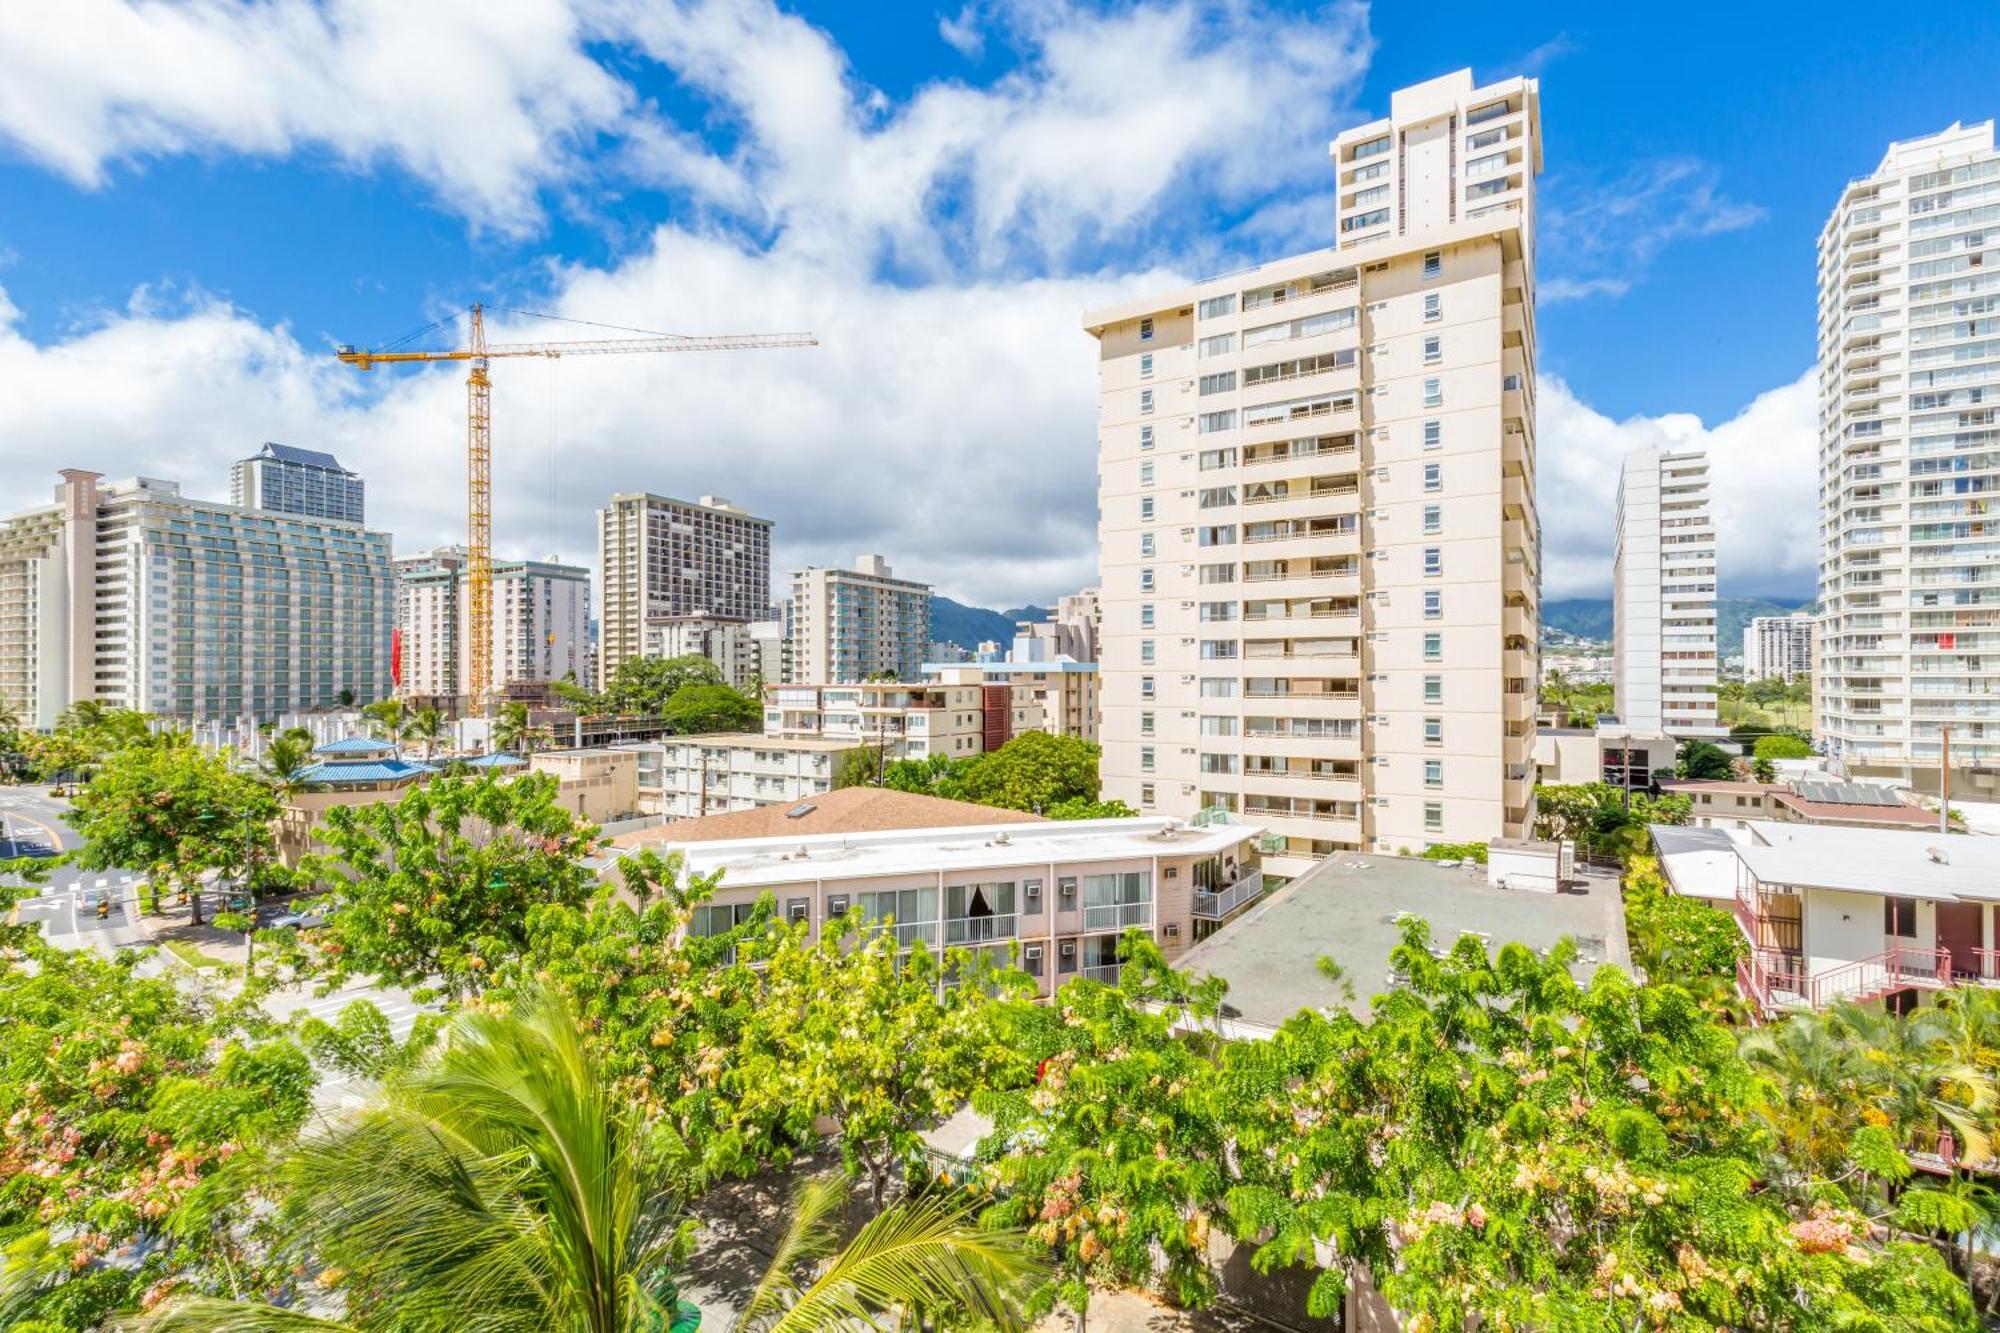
191, 212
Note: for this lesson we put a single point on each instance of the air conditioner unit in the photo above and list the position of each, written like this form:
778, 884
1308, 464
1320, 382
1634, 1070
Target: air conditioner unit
1066, 885
1032, 889
1069, 948
1033, 953
1173, 930
836, 905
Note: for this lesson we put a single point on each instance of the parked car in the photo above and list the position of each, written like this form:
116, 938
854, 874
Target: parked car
303, 917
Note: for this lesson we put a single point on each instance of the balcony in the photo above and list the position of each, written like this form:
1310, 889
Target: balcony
1117, 916
980, 929
1219, 905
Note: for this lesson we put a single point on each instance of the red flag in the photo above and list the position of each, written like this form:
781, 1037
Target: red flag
396, 657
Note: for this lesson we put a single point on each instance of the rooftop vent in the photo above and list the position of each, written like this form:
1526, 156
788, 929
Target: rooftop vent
800, 811
1937, 854
1001, 839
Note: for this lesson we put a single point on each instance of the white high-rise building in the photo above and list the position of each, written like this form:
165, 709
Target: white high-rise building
1318, 541
290, 480
1909, 387
746, 652
541, 623
1778, 647
135, 596
660, 557
1663, 596
849, 624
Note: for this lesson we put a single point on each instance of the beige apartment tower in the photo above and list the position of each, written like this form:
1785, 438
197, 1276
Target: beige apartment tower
1318, 541
661, 557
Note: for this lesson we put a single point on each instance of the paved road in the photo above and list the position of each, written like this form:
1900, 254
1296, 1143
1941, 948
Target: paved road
31, 814
67, 912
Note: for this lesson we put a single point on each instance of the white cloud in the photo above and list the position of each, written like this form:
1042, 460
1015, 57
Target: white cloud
486, 103
963, 32
1763, 472
1598, 238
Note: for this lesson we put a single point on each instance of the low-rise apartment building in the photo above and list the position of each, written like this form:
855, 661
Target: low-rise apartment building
1737, 805
956, 876
1610, 753
1057, 696
1845, 913
692, 777
909, 721
746, 652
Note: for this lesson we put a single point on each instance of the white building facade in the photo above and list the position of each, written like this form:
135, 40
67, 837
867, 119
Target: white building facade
1778, 647
1318, 540
660, 557
1909, 374
1663, 596
135, 596
689, 777
848, 624
541, 623
290, 480
907, 721
746, 652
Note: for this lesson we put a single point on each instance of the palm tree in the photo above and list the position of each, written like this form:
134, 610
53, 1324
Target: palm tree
385, 718
511, 731
426, 725
283, 766
504, 1175
1814, 1104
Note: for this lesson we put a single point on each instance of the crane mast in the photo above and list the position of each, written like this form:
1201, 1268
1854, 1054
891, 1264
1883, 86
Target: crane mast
479, 441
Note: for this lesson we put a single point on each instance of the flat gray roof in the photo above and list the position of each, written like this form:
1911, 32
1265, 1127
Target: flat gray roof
1900, 863
1346, 908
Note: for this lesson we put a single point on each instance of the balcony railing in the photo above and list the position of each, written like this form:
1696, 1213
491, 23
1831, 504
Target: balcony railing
1216, 906
1898, 967
1117, 916
973, 930
1105, 972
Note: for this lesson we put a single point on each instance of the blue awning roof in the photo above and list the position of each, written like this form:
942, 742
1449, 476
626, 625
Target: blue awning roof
354, 745
383, 770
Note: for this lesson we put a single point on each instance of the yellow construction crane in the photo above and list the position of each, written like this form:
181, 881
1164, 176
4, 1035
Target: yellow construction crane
479, 435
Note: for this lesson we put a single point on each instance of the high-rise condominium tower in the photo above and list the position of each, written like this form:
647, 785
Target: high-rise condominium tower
849, 624
1318, 540
1663, 596
541, 622
661, 557
286, 480
1778, 647
134, 596
1909, 381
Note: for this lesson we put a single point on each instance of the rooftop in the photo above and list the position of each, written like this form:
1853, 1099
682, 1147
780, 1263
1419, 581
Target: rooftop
748, 740
285, 453
848, 810
1349, 907
1899, 863
344, 771
350, 746
998, 838
1698, 862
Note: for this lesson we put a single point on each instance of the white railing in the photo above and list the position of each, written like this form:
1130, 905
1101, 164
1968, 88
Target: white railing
1216, 906
1117, 916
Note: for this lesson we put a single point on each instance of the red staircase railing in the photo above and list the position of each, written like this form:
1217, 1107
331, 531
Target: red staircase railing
1898, 967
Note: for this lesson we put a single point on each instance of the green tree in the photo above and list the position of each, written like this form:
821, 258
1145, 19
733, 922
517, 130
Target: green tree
1683, 940
129, 1108
59, 756
1077, 807
576, 696
513, 733
386, 718
506, 1175
868, 1036
1779, 746
427, 727
175, 812
283, 767
1703, 762
435, 888
858, 767
1033, 771
705, 709
1763, 770
642, 686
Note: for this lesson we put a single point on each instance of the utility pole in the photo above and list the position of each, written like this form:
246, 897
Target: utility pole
1944, 783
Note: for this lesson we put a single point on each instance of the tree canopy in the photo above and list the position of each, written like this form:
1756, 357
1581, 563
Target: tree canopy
700, 709
1703, 762
1780, 746
641, 686
1036, 770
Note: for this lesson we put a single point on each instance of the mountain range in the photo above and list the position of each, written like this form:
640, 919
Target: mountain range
1590, 617
970, 626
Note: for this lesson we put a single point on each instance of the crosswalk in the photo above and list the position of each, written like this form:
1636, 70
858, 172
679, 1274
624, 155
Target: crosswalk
396, 1006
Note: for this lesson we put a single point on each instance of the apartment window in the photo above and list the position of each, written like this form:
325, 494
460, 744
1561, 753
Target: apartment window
1434, 773
1146, 366
1433, 519
1433, 350
1146, 651
1433, 646
1433, 391
1433, 477
1434, 731
1433, 434
1210, 422
1145, 400
1145, 474
1145, 724
1218, 650
1363, 221
1215, 306
1146, 508
1146, 616
1433, 817
1225, 573
1218, 726
1145, 793
1433, 306
1373, 148
1216, 497
1218, 687
1433, 264
1433, 604
1223, 535
1433, 561
1221, 382
1146, 330
1145, 687
1899, 918
1433, 689
1146, 548
1145, 437
1218, 344
1212, 459
1145, 759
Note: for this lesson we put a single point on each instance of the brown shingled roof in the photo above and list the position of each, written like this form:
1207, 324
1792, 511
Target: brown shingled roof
849, 810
